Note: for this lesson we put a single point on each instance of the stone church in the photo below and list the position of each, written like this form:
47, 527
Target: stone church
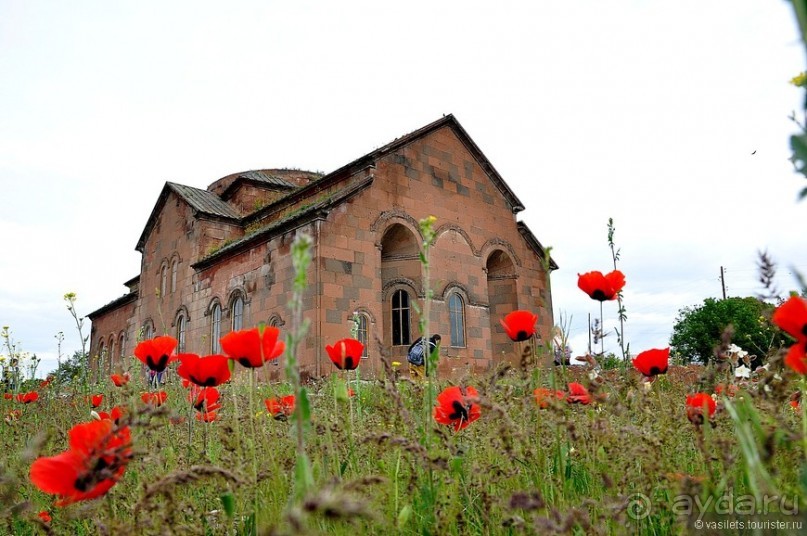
218, 259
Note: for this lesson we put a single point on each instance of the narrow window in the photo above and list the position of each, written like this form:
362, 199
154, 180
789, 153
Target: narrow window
215, 333
163, 280
456, 314
174, 268
238, 313
148, 331
362, 335
122, 346
400, 318
182, 322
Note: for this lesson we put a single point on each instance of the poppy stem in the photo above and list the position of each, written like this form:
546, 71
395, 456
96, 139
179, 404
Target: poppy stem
602, 334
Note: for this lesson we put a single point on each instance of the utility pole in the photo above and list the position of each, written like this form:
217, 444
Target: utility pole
723, 282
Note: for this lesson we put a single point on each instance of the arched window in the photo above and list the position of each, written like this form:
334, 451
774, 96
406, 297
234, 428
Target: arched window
148, 330
181, 325
122, 346
215, 328
174, 268
456, 315
237, 313
163, 279
112, 351
362, 333
400, 318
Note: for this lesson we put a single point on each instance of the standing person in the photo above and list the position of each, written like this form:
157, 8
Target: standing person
417, 361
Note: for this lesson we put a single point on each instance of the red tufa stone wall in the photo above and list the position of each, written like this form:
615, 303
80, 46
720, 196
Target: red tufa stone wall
364, 250
107, 331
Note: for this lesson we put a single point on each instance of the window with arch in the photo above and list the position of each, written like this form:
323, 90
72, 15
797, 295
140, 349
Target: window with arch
182, 326
122, 346
456, 315
112, 349
400, 318
215, 328
101, 350
362, 333
174, 269
148, 330
163, 279
237, 312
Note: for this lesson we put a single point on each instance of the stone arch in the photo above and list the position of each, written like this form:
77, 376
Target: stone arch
502, 298
498, 244
446, 227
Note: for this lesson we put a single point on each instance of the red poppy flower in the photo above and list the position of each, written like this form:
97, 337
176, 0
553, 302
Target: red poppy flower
519, 325
8, 396
156, 398
252, 348
457, 407
578, 394
120, 379
208, 371
652, 362
601, 287
44, 383
696, 404
206, 416
96, 400
791, 316
205, 399
44, 516
543, 397
156, 353
95, 461
346, 353
27, 398
114, 415
280, 407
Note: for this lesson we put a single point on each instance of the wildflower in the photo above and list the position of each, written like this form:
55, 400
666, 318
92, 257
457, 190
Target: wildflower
457, 406
280, 408
543, 397
346, 354
95, 461
116, 413
519, 325
96, 400
27, 398
156, 398
578, 394
120, 379
156, 353
795, 401
652, 362
206, 416
742, 372
396, 364
695, 407
601, 287
12, 416
8, 396
208, 371
791, 316
44, 516
47, 381
205, 399
253, 347
800, 80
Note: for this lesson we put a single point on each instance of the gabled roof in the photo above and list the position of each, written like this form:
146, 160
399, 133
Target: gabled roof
201, 201
450, 121
534, 244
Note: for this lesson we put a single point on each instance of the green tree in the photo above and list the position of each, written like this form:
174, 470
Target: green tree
698, 330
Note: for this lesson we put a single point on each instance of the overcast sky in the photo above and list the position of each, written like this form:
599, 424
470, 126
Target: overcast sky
669, 116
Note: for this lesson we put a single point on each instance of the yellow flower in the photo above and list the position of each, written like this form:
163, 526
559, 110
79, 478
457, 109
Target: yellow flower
396, 364
800, 80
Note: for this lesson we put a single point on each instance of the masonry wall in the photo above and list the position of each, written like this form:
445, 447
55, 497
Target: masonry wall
478, 254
